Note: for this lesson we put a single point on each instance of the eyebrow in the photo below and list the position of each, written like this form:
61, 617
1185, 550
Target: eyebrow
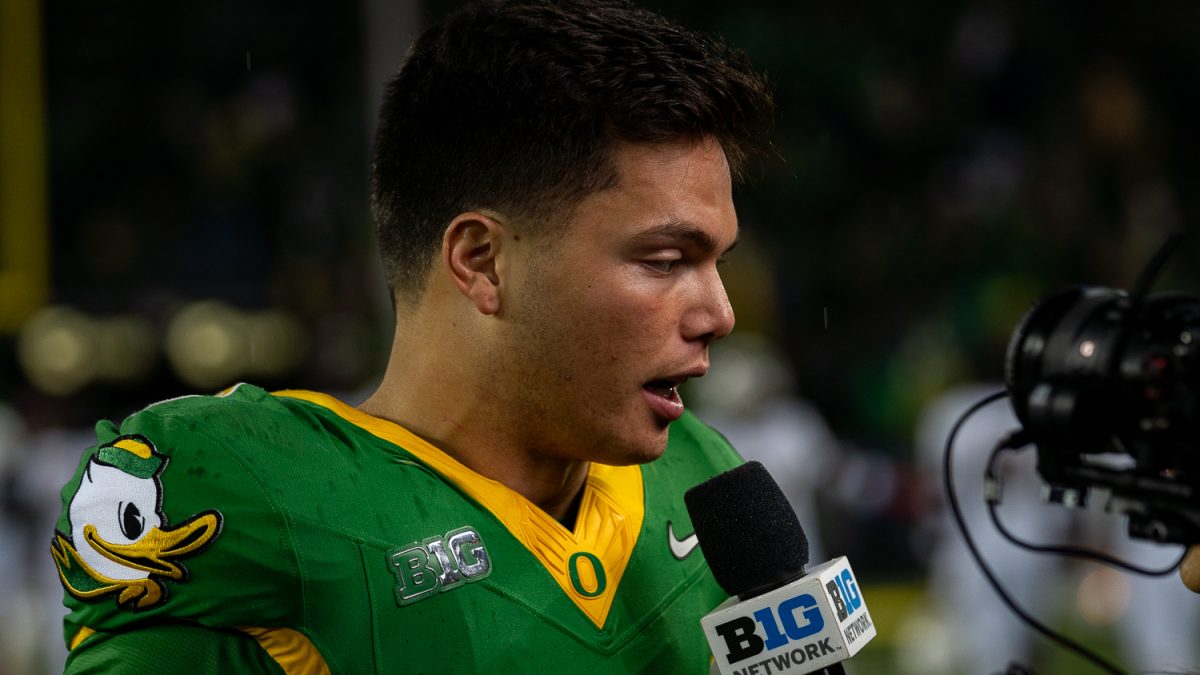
682, 229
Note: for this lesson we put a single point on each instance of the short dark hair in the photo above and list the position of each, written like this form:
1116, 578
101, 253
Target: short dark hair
516, 107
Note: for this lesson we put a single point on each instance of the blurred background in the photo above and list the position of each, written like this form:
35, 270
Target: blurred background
183, 205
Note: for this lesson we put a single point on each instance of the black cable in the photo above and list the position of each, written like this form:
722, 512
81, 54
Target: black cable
1072, 551
1146, 279
948, 482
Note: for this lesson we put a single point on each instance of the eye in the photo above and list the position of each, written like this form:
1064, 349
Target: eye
132, 521
663, 262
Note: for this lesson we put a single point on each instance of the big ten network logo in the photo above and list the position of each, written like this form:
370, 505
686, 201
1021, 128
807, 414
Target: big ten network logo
796, 618
438, 564
844, 595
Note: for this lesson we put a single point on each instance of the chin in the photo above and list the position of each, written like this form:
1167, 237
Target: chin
635, 452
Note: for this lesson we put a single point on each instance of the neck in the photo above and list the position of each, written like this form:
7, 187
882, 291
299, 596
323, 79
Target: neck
442, 398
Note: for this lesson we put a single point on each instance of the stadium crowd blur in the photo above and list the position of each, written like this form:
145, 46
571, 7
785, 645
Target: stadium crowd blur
183, 205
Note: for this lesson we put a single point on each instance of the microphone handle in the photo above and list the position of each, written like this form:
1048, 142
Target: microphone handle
835, 669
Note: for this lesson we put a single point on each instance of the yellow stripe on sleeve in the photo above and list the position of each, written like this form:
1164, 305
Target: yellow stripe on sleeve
291, 649
82, 635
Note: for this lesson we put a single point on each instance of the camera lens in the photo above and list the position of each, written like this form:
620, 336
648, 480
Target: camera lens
1061, 358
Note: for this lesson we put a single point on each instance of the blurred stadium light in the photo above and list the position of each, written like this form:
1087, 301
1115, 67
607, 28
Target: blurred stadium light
210, 344
63, 350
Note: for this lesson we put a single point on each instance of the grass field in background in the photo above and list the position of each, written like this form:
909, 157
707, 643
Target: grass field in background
910, 641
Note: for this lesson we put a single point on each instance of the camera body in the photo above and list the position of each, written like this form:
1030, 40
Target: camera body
1107, 386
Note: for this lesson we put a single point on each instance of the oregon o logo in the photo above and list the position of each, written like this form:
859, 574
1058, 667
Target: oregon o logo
597, 572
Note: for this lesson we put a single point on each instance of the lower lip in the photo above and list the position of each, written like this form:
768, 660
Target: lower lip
669, 408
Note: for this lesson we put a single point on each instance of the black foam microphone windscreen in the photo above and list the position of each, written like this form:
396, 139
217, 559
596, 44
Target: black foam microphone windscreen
747, 530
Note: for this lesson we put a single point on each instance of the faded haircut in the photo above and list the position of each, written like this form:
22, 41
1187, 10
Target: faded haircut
517, 107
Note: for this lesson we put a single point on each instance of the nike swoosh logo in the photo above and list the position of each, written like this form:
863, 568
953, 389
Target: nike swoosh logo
681, 548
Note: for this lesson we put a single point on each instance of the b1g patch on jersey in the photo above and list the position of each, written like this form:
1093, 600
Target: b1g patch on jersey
438, 564
119, 541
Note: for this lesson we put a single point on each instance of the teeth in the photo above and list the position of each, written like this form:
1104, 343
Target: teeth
667, 387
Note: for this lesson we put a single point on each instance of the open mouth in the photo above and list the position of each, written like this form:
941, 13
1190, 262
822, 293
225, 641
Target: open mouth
663, 397
664, 388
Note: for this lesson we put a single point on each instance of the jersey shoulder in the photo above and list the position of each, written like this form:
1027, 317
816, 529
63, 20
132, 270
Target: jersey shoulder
167, 517
694, 443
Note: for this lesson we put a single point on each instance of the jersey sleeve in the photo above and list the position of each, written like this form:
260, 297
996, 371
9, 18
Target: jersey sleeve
164, 523
171, 648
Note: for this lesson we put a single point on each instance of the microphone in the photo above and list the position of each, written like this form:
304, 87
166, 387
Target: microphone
779, 618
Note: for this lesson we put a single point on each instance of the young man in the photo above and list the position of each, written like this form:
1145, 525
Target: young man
552, 188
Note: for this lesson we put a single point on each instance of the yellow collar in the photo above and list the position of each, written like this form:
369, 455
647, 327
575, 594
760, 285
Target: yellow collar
588, 563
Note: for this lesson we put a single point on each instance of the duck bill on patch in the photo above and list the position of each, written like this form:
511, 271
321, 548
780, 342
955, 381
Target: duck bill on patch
152, 551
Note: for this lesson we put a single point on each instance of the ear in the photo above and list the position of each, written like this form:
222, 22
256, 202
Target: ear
470, 247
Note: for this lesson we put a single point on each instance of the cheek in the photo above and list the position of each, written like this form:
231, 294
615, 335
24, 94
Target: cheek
598, 330
634, 346
625, 322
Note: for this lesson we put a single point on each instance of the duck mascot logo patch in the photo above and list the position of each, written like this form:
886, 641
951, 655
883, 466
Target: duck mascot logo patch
119, 541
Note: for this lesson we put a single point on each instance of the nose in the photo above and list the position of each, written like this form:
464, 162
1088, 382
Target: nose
710, 317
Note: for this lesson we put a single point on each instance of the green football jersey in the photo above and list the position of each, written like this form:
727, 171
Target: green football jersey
288, 532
